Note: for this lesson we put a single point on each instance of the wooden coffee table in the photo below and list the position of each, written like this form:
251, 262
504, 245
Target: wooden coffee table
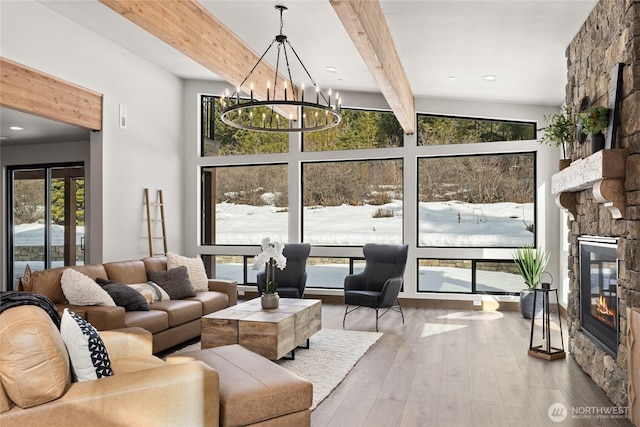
272, 333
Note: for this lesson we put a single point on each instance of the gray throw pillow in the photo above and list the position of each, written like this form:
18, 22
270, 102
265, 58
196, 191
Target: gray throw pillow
175, 282
123, 295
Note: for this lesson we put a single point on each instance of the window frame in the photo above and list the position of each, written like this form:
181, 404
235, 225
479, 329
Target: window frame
473, 291
479, 119
371, 110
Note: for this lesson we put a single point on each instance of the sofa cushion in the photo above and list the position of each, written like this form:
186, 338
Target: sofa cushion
153, 321
5, 402
79, 289
126, 272
123, 295
211, 301
155, 263
89, 357
150, 291
33, 358
135, 364
175, 281
195, 268
179, 311
47, 282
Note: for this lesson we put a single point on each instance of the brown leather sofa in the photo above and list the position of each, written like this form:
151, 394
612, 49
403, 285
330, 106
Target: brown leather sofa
36, 387
228, 386
171, 322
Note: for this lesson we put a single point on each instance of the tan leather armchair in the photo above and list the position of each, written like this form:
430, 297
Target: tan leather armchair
36, 387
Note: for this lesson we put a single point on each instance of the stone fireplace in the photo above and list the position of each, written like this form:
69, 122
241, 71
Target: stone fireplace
601, 193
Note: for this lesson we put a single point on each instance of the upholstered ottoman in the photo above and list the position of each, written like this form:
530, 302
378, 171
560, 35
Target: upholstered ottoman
255, 390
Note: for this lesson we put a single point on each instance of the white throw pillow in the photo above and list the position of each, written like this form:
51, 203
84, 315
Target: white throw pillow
79, 289
195, 268
89, 357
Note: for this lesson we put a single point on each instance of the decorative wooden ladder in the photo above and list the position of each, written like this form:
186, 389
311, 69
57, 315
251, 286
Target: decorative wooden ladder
158, 204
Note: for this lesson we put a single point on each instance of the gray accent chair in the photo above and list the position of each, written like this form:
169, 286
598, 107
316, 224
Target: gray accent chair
379, 284
292, 280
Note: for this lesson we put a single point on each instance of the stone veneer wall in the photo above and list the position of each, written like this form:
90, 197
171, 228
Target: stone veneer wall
610, 35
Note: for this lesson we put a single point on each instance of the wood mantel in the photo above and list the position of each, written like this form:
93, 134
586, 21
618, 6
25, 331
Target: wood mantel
604, 172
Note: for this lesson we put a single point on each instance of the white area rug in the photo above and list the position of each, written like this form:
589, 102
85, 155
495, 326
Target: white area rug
332, 354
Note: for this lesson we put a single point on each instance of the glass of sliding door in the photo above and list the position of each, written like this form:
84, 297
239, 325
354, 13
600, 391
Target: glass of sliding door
46, 218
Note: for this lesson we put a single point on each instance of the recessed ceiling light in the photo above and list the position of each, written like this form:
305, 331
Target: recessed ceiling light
451, 77
15, 128
331, 69
489, 78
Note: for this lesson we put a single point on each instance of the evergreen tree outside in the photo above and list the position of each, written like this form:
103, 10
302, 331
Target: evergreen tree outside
440, 130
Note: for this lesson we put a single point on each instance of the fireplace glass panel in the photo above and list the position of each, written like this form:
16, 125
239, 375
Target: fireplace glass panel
598, 293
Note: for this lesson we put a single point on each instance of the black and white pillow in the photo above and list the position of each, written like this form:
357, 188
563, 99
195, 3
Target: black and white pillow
89, 358
123, 295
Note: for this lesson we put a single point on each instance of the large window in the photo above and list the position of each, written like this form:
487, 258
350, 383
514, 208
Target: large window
351, 203
359, 129
241, 205
342, 188
441, 130
494, 277
322, 272
476, 201
220, 139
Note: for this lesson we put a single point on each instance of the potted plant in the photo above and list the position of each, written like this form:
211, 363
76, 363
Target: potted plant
594, 121
560, 131
530, 263
272, 257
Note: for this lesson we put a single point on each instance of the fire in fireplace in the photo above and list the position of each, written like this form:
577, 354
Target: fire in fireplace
604, 313
599, 291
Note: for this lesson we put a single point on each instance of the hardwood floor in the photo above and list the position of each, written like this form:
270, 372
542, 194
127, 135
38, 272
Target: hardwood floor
454, 368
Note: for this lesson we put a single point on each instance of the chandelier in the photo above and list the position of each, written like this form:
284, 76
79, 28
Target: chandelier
261, 115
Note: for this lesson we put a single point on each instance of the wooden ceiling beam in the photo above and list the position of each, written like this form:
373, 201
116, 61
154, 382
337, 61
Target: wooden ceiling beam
366, 25
194, 31
31, 91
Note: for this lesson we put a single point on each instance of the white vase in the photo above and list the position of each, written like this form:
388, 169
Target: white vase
270, 301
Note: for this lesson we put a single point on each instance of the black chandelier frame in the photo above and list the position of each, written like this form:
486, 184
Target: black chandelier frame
238, 111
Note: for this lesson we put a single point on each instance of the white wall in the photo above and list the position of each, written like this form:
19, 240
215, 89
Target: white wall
148, 153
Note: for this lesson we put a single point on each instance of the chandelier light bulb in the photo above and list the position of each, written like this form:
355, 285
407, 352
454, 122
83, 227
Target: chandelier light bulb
279, 103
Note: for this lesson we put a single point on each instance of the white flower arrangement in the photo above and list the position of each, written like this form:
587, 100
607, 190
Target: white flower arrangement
272, 257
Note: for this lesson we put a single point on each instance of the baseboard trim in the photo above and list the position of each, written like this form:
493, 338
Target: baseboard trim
427, 303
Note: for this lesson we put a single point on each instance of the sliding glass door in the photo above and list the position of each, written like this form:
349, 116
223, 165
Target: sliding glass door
46, 218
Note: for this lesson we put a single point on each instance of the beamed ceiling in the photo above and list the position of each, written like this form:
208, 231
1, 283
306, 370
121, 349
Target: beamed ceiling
400, 49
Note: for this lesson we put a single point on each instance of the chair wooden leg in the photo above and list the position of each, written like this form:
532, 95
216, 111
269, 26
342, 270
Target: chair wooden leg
377, 319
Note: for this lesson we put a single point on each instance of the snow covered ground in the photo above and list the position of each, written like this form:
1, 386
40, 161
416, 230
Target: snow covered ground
446, 224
